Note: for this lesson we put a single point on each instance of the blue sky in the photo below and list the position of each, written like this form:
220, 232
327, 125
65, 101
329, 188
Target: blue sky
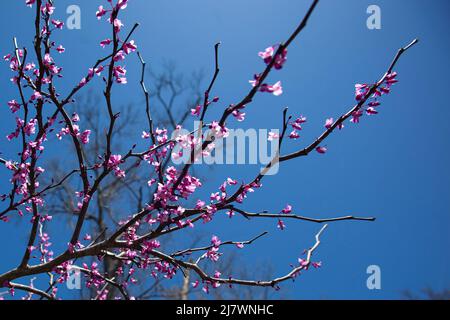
393, 166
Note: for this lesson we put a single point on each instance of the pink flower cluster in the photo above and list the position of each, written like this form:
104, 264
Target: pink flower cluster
268, 56
372, 102
297, 126
276, 89
113, 164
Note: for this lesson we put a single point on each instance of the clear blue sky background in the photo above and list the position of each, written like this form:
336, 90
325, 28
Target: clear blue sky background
393, 166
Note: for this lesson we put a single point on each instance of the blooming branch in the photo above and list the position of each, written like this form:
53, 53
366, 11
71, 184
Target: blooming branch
135, 243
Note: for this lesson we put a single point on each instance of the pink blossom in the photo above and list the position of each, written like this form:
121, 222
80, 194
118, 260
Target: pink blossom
275, 89
328, 123
215, 241
14, 106
321, 150
105, 42
303, 262
82, 82
114, 161
280, 59
355, 116
60, 49
268, 54
48, 9
101, 12
200, 204
14, 64
196, 111
129, 47
281, 225
273, 136
9, 165
84, 137
99, 70
117, 25
119, 56
239, 116
371, 111
75, 117
213, 254
122, 4
287, 209
48, 60
255, 81
297, 124
230, 214
29, 66
390, 79
294, 135
30, 128
113, 164
360, 91
36, 96
122, 80
30, 2
385, 90
58, 24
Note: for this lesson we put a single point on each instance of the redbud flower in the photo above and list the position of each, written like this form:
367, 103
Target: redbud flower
84, 137
60, 49
119, 56
371, 111
287, 209
273, 136
122, 4
268, 54
30, 2
239, 116
360, 91
101, 12
117, 25
215, 241
105, 42
58, 24
355, 116
275, 89
129, 47
196, 111
14, 106
36, 96
294, 135
281, 225
321, 150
